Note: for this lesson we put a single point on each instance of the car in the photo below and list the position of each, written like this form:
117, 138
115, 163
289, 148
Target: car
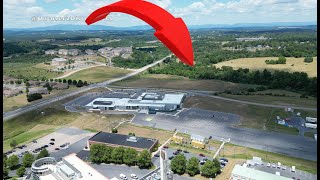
86, 147
202, 162
223, 162
268, 165
63, 145
222, 166
133, 176
273, 165
122, 176
13, 150
57, 149
51, 143
171, 157
34, 141
176, 152
46, 146
213, 115
185, 151
202, 155
156, 155
210, 137
179, 150
284, 168
224, 159
52, 139
166, 147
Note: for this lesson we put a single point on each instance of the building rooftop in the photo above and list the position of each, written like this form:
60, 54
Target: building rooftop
123, 140
59, 59
255, 174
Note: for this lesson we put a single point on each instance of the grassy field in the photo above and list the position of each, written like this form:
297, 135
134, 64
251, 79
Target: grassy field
178, 82
292, 65
251, 116
142, 131
27, 70
15, 102
277, 100
309, 134
98, 74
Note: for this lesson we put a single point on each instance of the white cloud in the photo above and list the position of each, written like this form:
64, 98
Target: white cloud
35, 10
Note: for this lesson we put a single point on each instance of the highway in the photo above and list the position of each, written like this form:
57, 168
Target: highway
11, 114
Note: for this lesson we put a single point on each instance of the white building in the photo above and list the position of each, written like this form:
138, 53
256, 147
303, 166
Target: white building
90, 52
74, 52
70, 167
63, 52
50, 52
59, 61
152, 102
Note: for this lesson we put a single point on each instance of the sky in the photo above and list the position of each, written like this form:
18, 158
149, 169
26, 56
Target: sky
21, 13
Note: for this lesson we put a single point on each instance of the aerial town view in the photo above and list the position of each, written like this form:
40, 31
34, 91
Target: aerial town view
160, 90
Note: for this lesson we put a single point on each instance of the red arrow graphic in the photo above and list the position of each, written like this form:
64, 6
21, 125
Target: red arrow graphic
171, 31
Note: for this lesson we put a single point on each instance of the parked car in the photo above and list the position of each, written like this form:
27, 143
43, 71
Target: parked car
171, 157
185, 151
284, 168
202, 162
268, 165
176, 152
34, 141
273, 165
166, 147
52, 139
179, 150
122, 176
210, 137
156, 155
57, 149
51, 143
133, 176
224, 159
202, 155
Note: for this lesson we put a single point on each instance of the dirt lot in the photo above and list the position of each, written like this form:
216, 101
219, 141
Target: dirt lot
259, 64
162, 135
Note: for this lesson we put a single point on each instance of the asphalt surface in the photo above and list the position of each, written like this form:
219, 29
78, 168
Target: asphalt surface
12, 114
285, 172
196, 121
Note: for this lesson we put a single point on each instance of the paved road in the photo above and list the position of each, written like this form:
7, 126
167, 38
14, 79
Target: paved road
11, 114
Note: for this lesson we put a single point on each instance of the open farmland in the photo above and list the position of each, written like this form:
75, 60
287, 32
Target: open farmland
178, 82
258, 63
98, 74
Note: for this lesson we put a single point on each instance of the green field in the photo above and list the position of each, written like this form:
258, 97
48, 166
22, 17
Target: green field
27, 70
309, 134
98, 74
178, 82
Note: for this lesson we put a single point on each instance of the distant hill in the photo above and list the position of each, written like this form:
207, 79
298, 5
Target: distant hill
71, 27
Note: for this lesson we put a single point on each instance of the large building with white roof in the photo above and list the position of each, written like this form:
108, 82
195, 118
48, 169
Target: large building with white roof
150, 102
70, 167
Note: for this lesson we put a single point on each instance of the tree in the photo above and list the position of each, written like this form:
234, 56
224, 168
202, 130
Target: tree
114, 130
117, 155
13, 162
106, 158
144, 159
74, 82
79, 84
18, 82
130, 157
13, 143
85, 83
60, 81
21, 171
193, 166
178, 164
97, 153
51, 80
43, 153
69, 81
27, 160
209, 169
27, 84
33, 97
5, 172
308, 59
55, 80
5, 158
64, 81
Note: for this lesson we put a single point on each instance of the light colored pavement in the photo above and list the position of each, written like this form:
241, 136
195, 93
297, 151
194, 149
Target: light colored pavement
11, 114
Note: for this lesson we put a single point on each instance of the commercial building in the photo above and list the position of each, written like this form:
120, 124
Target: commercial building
198, 141
149, 102
63, 52
38, 90
126, 141
69, 168
74, 52
245, 173
59, 61
90, 52
50, 52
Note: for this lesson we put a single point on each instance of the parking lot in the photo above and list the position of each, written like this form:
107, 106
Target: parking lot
62, 136
222, 125
285, 172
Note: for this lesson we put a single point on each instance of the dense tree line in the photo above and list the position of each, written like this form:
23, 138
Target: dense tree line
297, 81
281, 60
33, 97
21, 47
29, 58
103, 154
